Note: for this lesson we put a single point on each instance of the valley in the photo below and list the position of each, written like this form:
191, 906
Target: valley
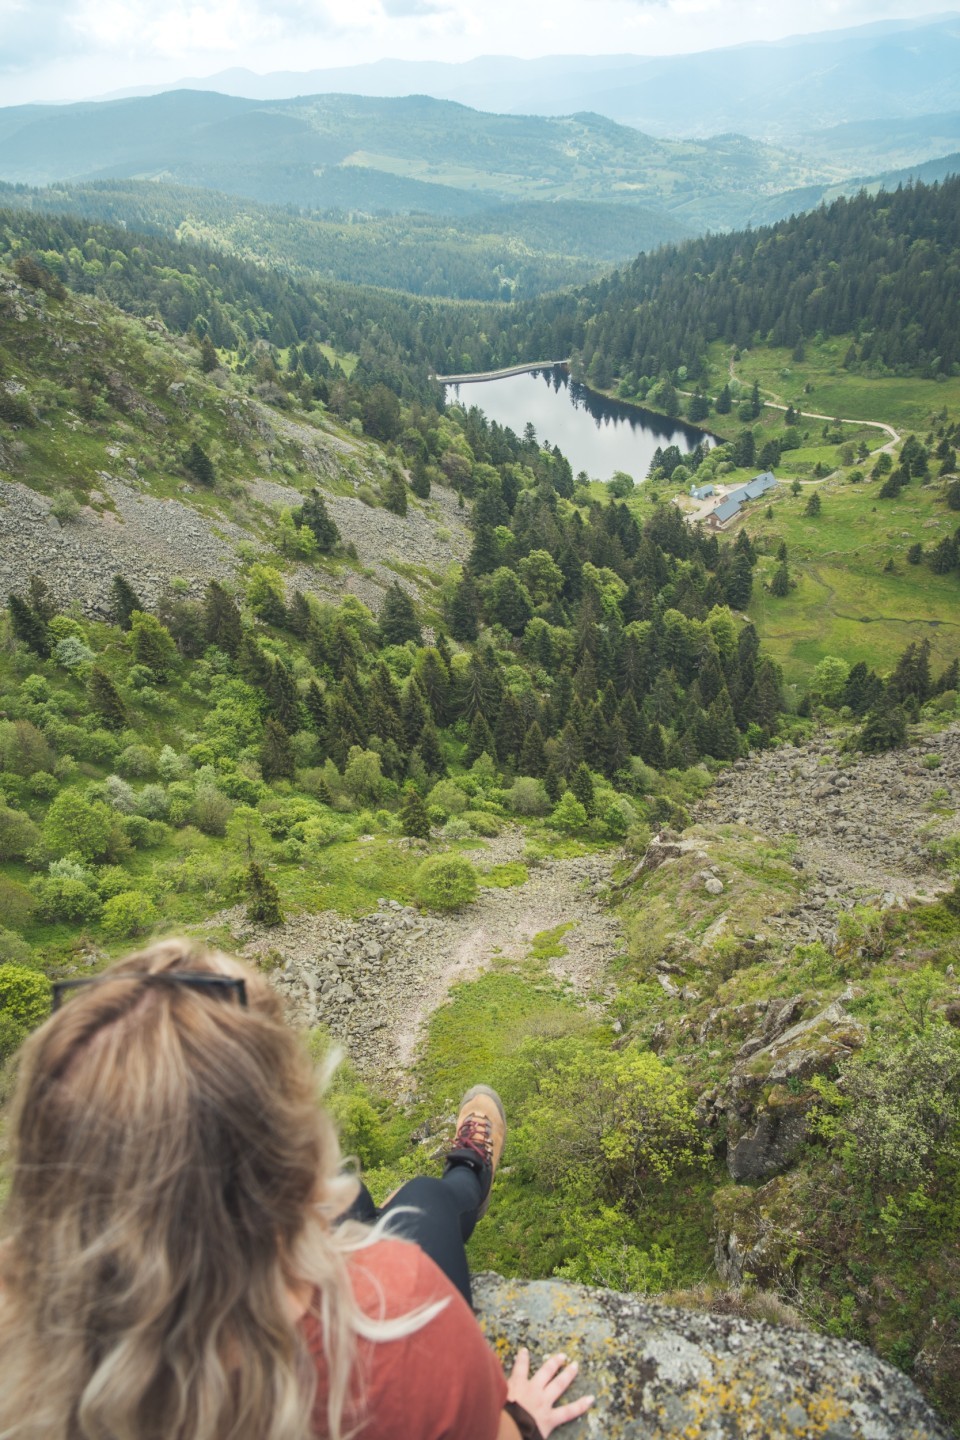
487, 755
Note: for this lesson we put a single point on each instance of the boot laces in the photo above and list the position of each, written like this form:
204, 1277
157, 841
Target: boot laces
476, 1134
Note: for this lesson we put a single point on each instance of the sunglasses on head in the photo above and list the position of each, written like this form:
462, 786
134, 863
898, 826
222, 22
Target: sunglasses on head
217, 985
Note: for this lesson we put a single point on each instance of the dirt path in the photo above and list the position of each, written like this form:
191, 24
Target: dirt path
375, 981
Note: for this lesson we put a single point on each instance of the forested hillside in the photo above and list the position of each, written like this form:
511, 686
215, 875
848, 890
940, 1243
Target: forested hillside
881, 268
503, 252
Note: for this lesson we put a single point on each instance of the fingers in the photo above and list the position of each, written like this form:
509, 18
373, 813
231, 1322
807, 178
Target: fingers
555, 1376
573, 1411
521, 1367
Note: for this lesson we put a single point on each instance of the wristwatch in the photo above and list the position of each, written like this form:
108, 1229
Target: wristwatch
524, 1421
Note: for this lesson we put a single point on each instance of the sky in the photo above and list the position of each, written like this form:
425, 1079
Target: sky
56, 50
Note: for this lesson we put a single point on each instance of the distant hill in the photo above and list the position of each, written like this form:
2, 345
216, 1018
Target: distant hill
411, 154
502, 252
776, 91
879, 267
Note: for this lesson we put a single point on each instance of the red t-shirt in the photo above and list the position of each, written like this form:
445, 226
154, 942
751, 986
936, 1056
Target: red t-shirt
443, 1382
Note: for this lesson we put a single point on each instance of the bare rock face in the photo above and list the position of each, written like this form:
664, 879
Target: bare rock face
665, 1374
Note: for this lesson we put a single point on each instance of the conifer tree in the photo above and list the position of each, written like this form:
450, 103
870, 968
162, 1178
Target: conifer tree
263, 897
252, 662
429, 750
398, 618
222, 625
27, 626
581, 785
553, 781
508, 730
105, 699
276, 752
284, 697
420, 480
395, 493
414, 820
152, 644
464, 610
314, 514
413, 712
481, 740
653, 751
198, 462
41, 601
532, 758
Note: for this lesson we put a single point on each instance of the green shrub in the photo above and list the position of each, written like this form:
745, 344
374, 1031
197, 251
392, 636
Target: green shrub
904, 1108
130, 913
17, 904
18, 834
527, 796
481, 822
618, 1121
77, 825
24, 1004
568, 814
67, 893
13, 950
445, 882
448, 798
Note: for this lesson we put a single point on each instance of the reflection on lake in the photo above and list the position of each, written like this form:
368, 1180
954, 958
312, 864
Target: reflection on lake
595, 434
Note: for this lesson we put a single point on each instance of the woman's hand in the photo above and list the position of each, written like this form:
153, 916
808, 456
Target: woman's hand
537, 1393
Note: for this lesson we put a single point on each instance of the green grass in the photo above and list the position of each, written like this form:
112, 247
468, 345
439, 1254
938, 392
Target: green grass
906, 402
845, 602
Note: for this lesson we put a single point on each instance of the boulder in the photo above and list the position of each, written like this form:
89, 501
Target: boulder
665, 1374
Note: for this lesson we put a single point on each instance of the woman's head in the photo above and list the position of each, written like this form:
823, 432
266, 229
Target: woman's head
168, 1156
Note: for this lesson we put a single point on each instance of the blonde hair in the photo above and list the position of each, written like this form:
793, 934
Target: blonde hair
173, 1174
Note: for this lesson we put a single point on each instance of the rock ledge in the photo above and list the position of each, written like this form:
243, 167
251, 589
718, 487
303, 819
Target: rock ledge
667, 1374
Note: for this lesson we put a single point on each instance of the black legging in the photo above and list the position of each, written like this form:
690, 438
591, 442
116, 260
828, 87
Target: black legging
440, 1220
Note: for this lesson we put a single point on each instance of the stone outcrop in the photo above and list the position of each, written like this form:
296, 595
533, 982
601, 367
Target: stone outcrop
667, 1374
862, 824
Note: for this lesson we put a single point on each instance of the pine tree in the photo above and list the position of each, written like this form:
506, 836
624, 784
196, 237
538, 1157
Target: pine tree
413, 712
532, 757
395, 493
152, 644
581, 785
222, 625
780, 584
429, 750
481, 740
653, 752
508, 730
284, 697
414, 820
314, 514
276, 752
814, 505
105, 699
420, 480
208, 357
398, 618
41, 601
198, 462
464, 610
263, 897
27, 626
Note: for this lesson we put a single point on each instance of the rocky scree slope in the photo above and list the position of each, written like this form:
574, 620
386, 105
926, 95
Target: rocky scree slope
142, 515
373, 982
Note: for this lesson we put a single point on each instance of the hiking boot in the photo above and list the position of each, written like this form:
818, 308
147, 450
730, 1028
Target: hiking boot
480, 1137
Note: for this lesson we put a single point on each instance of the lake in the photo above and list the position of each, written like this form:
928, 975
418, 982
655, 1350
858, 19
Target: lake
596, 434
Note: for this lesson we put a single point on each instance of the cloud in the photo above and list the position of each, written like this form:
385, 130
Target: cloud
32, 31
402, 9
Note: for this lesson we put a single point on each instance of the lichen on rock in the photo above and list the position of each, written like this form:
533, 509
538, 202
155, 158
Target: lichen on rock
667, 1374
